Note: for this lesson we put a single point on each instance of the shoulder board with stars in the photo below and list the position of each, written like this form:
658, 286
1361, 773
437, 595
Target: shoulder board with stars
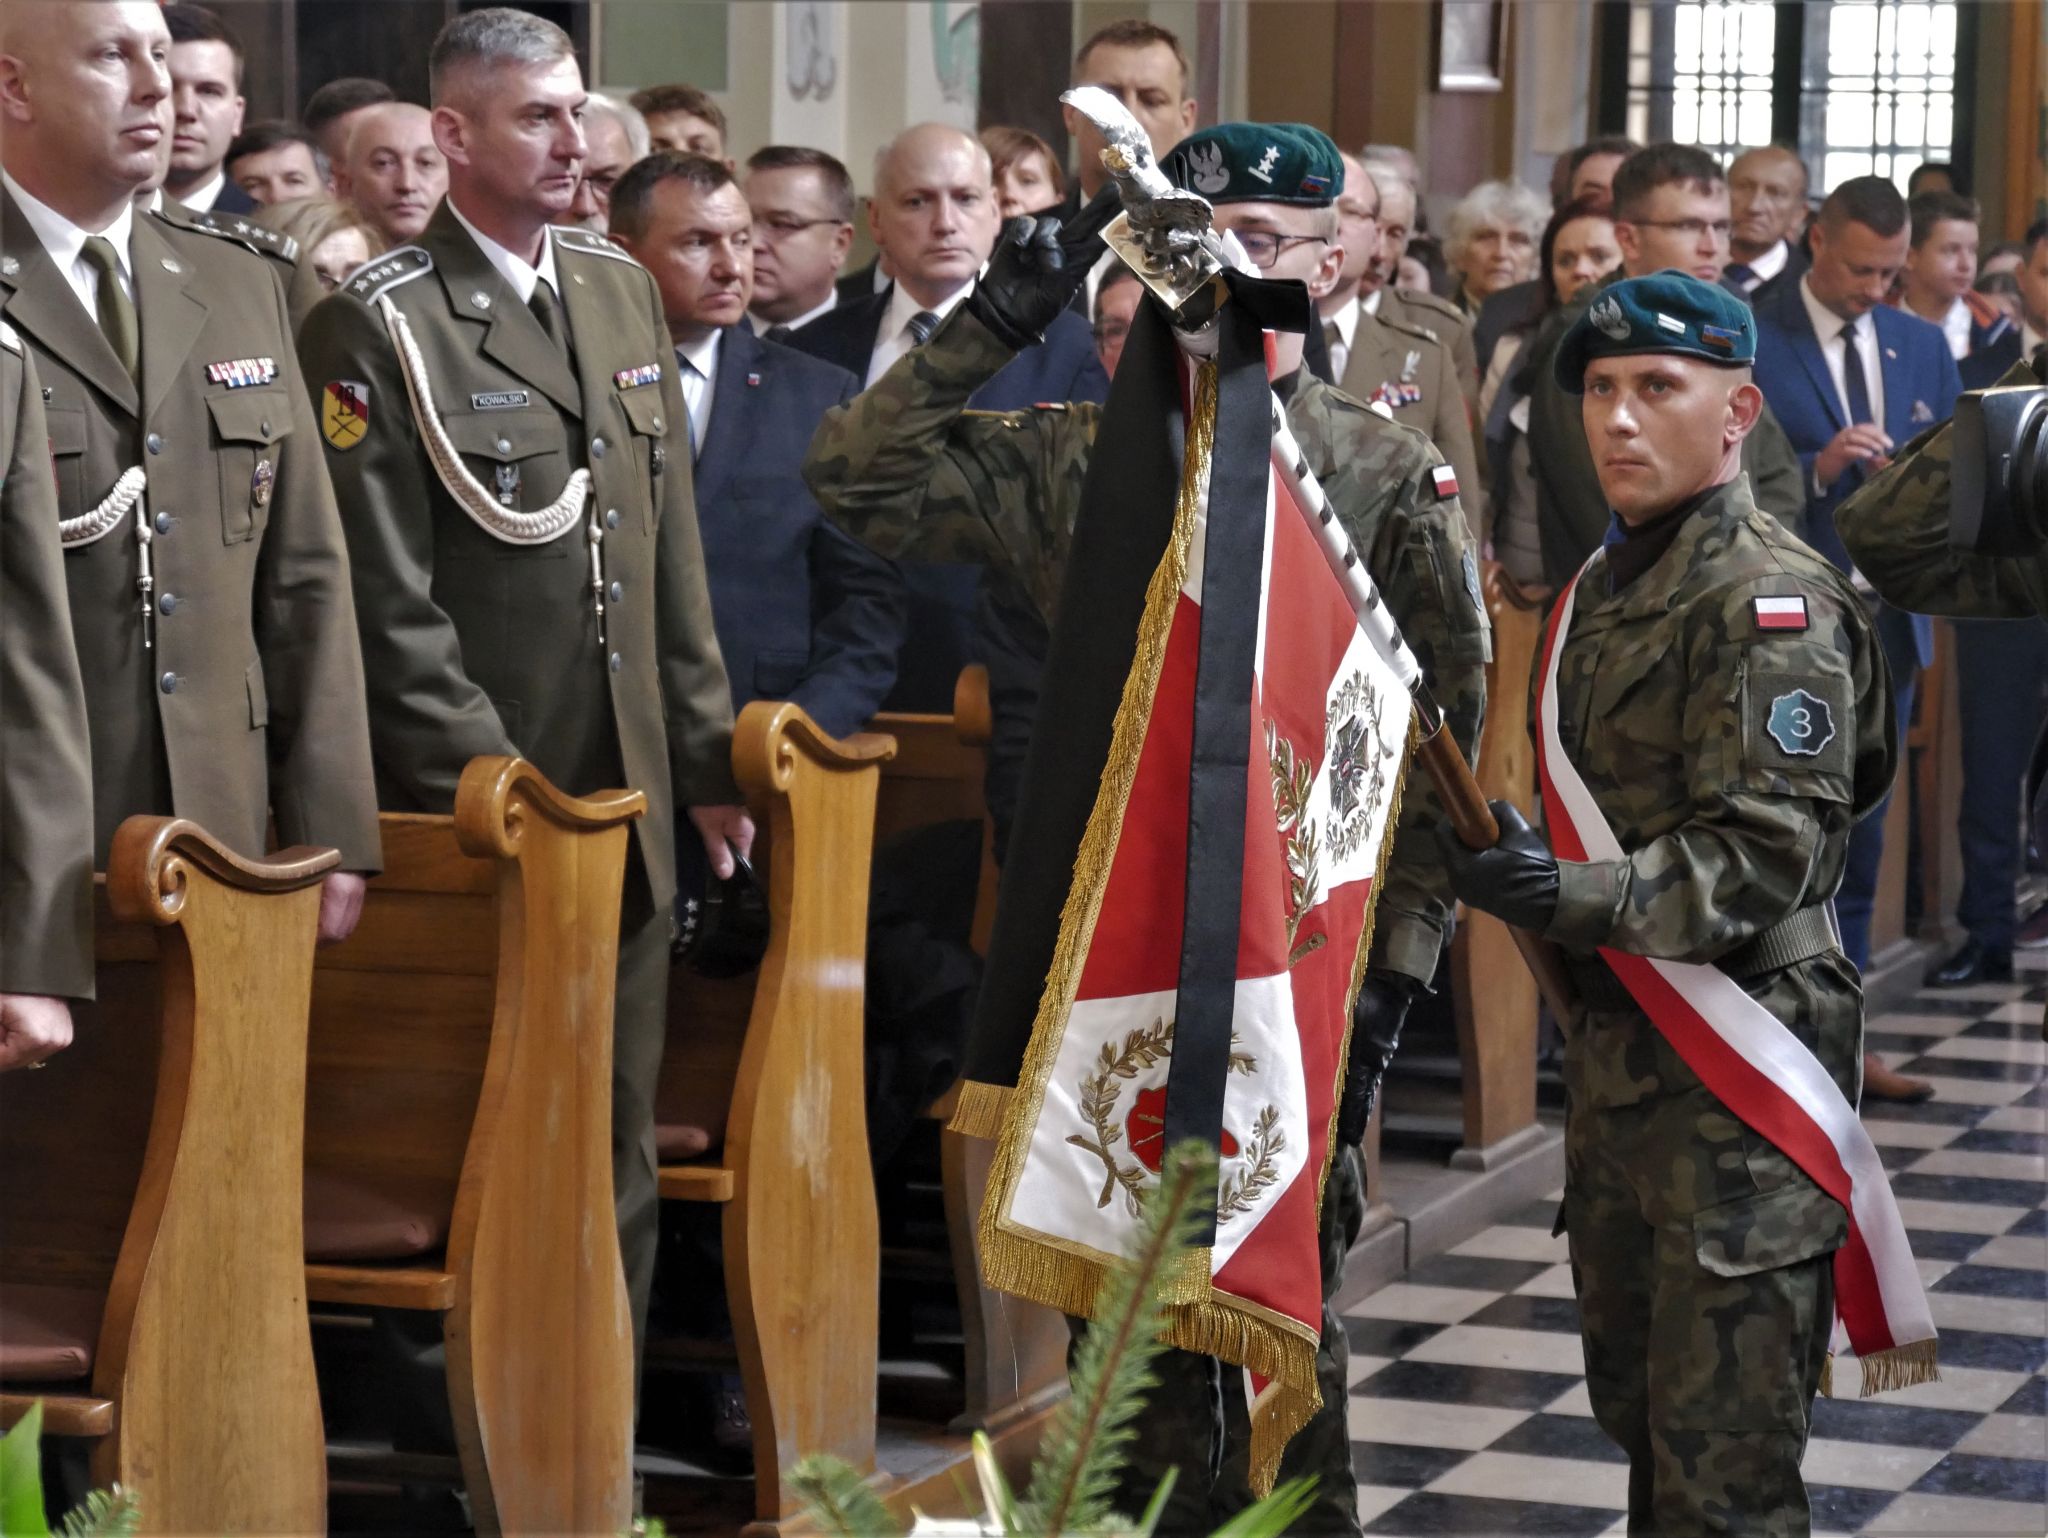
390, 270
1431, 301
589, 243
263, 241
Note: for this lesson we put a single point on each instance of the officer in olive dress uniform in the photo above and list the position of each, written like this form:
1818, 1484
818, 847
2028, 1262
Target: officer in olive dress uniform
206, 574
511, 447
45, 824
295, 275
1403, 366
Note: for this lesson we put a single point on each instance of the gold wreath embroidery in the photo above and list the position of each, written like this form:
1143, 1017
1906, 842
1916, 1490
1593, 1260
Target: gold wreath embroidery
1294, 778
1241, 1193
1100, 1091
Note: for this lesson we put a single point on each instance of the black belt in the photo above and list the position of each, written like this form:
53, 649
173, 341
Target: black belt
1808, 933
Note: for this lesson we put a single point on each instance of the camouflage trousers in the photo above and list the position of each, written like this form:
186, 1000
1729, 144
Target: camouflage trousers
1196, 1421
1700, 1255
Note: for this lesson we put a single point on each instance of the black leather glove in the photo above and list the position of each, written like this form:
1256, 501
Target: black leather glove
1037, 268
1376, 1018
1515, 880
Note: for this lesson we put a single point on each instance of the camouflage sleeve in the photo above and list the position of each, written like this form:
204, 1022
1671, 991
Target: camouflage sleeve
1788, 736
1777, 479
1419, 550
910, 472
1896, 529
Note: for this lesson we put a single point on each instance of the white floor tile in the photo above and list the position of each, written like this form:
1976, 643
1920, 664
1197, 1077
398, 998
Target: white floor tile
2004, 1316
1974, 1091
1375, 1500
1576, 1400
1981, 993
1996, 1049
1866, 1465
1554, 1283
2017, 1118
1908, 1134
2008, 1436
1958, 1217
1986, 1166
1359, 1368
1921, 1025
1932, 1271
1955, 1516
1982, 1389
2023, 1252
1425, 1423
1423, 1305
1553, 1481
1511, 1243
1476, 1345
2020, 1013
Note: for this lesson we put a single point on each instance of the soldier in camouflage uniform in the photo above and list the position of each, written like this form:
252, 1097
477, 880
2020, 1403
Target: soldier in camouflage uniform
906, 468
1700, 1252
1896, 530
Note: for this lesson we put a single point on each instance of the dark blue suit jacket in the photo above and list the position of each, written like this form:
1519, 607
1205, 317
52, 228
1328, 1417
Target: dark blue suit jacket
1987, 365
803, 612
1920, 389
944, 626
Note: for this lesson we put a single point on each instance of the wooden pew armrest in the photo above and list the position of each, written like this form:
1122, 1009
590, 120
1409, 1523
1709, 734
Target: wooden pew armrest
146, 868
771, 733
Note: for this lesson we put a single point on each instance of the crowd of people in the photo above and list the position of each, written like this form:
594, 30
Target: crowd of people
451, 357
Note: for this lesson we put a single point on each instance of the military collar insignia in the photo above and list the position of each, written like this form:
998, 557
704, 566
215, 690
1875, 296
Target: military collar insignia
241, 373
390, 270
9, 267
634, 378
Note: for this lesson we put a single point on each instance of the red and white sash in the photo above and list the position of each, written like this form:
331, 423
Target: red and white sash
1766, 1076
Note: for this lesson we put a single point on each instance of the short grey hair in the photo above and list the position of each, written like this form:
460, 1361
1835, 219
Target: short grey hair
1490, 203
627, 116
492, 38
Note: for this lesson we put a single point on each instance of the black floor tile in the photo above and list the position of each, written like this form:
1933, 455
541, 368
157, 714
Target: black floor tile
1996, 1282
1897, 1425
1941, 1244
2034, 1099
1900, 1041
1972, 1068
1945, 1113
1450, 1383
1423, 1515
1387, 1337
1843, 1508
1404, 1468
1988, 1348
1524, 1313
1481, 1272
2031, 1399
1896, 1156
2034, 1223
1968, 1188
1561, 1436
2005, 1030
1989, 1479
1982, 1140
1936, 1001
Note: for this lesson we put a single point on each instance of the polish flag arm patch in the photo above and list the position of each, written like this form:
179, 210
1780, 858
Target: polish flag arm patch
1780, 613
1445, 479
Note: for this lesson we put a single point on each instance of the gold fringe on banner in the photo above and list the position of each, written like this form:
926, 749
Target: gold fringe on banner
980, 1109
1276, 1349
1018, 1260
1884, 1372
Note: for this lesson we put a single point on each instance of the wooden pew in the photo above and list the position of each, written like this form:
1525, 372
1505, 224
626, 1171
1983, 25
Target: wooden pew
1494, 994
767, 1070
1015, 1352
458, 1143
152, 1286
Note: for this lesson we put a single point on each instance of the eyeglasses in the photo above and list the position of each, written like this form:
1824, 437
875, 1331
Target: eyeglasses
1693, 227
1264, 247
782, 228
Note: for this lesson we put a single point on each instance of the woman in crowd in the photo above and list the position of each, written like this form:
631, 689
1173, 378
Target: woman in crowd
1577, 250
335, 238
1027, 175
1492, 238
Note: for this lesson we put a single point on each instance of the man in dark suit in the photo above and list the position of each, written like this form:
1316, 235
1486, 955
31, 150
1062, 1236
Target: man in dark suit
1767, 200
933, 214
803, 612
206, 96
1850, 379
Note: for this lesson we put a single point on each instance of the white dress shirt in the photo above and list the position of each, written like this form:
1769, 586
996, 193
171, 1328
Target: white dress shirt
202, 198
1827, 326
762, 325
65, 243
893, 338
696, 371
519, 274
1955, 325
1766, 267
1346, 322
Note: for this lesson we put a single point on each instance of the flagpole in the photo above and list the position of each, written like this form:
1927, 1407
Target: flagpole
1464, 802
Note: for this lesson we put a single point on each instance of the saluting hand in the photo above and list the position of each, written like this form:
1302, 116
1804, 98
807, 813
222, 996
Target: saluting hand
726, 830
33, 1026
341, 906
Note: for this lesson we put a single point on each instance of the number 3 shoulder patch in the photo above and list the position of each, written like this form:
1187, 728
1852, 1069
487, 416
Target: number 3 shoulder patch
1800, 723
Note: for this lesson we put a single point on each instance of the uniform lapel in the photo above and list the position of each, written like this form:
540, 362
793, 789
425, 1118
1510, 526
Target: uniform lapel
38, 301
1365, 369
1899, 384
513, 339
172, 315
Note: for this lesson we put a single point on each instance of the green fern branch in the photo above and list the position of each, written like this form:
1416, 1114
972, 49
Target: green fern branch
840, 1499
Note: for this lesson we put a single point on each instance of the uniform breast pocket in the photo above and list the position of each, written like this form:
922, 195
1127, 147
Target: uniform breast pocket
67, 459
249, 428
650, 440
521, 458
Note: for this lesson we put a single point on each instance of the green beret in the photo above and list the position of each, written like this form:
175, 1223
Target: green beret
1670, 312
1258, 163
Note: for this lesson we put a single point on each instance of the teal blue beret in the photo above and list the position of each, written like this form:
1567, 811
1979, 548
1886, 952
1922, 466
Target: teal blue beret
1258, 163
1670, 312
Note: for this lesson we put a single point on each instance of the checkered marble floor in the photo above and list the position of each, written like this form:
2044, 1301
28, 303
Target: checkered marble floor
1469, 1411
